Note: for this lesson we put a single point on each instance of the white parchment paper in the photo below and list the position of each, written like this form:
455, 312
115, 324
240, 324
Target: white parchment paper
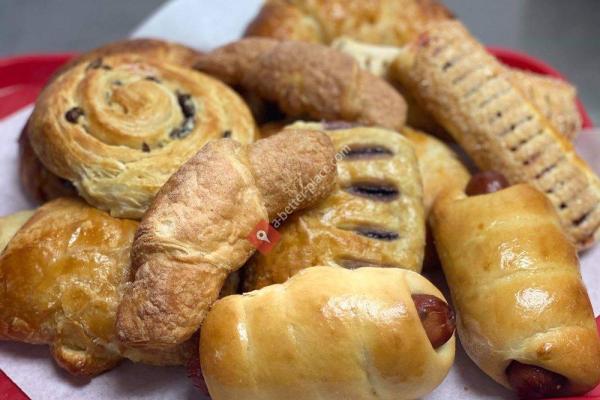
202, 24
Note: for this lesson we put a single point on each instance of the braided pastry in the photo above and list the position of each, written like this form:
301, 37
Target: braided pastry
330, 333
307, 79
119, 126
62, 276
468, 92
524, 315
195, 233
374, 217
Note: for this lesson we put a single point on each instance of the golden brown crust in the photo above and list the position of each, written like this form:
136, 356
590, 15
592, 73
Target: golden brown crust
62, 277
374, 217
469, 93
37, 181
391, 22
441, 169
327, 333
556, 99
515, 283
307, 79
283, 21
119, 127
195, 232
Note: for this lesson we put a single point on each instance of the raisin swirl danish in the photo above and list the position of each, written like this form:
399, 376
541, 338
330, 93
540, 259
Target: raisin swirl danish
468, 92
62, 276
38, 182
374, 217
119, 126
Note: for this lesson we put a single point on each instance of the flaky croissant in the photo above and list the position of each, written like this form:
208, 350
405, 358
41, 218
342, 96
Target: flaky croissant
196, 230
307, 79
62, 276
524, 315
374, 217
330, 333
469, 93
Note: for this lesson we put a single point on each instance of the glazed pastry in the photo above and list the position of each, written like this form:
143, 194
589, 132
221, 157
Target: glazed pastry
10, 224
307, 79
556, 99
38, 182
198, 229
468, 92
62, 276
387, 22
119, 126
370, 333
374, 217
524, 315
440, 168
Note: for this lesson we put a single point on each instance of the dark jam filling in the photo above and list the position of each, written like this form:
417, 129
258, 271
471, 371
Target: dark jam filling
374, 191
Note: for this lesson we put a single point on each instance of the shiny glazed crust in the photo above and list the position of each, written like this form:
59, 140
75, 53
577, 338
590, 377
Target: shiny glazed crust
327, 333
196, 230
61, 279
10, 224
516, 286
306, 79
354, 229
441, 170
469, 93
119, 126
389, 22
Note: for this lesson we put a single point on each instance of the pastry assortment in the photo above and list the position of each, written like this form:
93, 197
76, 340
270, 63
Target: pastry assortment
159, 189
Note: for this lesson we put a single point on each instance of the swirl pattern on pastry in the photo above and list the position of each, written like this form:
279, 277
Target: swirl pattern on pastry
374, 217
119, 126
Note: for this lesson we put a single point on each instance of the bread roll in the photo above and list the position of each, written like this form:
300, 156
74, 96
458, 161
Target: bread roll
374, 217
10, 224
117, 127
515, 282
469, 93
198, 229
62, 277
327, 333
307, 80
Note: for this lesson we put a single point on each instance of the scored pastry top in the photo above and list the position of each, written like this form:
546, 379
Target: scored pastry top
374, 217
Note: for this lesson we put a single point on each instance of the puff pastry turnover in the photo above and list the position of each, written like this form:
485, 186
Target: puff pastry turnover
62, 277
468, 92
374, 217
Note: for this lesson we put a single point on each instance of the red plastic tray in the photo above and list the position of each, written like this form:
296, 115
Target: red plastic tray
23, 77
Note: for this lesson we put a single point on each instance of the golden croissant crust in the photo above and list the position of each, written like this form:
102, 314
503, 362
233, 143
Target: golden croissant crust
119, 126
62, 277
374, 217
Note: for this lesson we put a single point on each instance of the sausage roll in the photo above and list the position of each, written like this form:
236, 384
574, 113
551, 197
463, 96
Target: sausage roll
119, 126
523, 313
330, 333
62, 276
374, 217
202, 225
469, 93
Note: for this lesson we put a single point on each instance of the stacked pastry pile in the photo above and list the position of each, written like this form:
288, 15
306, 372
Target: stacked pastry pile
156, 178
